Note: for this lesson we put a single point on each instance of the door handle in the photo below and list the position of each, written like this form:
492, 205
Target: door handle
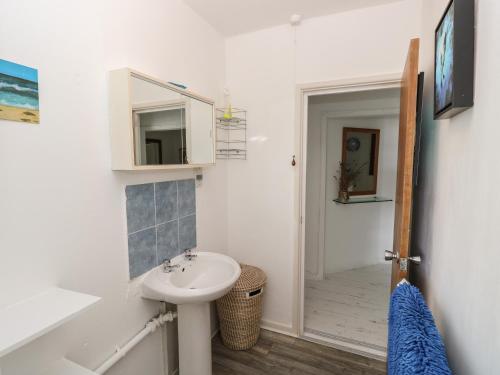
403, 262
390, 255
417, 260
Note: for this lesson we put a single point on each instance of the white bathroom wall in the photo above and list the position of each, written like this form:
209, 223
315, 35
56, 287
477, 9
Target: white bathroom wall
320, 109
458, 210
263, 69
357, 235
62, 209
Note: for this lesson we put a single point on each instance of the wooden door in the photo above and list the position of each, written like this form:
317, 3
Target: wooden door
404, 184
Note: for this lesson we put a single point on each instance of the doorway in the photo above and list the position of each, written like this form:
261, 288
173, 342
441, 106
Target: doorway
345, 283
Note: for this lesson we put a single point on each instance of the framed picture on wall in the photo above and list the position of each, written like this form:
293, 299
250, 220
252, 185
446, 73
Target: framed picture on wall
359, 166
18, 93
454, 60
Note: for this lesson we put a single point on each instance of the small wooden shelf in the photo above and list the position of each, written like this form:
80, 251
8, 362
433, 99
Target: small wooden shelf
66, 367
31, 318
363, 200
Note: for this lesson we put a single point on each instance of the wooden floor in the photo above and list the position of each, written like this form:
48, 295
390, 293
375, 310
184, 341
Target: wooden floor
279, 354
350, 306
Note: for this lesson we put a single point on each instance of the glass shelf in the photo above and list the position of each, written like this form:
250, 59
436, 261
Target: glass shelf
363, 200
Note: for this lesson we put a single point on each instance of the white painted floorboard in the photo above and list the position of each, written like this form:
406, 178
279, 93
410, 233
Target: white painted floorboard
350, 305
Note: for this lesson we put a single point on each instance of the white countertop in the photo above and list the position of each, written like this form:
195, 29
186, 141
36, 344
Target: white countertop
66, 367
31, 318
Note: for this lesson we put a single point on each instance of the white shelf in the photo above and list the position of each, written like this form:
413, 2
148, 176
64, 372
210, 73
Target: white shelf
66, 367
33, 317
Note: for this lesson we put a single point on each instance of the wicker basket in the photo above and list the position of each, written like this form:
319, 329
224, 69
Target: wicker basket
240, 311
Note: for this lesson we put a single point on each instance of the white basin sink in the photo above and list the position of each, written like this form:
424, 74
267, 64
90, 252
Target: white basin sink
205, 278
192, 286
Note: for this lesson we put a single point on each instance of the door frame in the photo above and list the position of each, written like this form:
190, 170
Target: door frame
319, 271
303, 92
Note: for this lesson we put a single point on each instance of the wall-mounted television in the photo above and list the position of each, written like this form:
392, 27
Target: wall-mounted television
454, 60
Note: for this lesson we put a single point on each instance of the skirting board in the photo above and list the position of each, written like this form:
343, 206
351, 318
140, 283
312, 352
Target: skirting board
310, 276
214, 333
345, 346
278, 327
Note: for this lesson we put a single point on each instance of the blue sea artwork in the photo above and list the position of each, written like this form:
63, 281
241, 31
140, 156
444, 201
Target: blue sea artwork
18, 93
444, 61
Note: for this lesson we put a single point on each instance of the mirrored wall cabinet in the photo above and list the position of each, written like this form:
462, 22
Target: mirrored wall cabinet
156, 125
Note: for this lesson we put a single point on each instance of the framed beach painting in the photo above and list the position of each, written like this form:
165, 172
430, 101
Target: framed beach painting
18, 93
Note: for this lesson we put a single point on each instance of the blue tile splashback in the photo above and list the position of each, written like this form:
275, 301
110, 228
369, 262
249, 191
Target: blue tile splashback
168, 240
187, 232
142, 251
187, 200
140, 207
161, 222
167, 208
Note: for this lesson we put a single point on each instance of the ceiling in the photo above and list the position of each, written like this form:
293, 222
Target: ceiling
233, 17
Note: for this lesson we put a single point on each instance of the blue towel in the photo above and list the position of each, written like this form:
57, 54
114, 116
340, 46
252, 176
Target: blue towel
415, 345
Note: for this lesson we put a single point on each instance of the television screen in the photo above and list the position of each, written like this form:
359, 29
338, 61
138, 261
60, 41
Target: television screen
444, 60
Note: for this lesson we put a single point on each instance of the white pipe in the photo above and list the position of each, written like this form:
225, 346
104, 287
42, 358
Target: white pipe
150, 327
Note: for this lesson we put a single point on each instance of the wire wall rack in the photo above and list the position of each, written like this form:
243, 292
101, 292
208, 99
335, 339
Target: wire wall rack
231, 134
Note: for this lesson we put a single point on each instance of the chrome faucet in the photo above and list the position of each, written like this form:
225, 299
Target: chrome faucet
189, 255
168, 266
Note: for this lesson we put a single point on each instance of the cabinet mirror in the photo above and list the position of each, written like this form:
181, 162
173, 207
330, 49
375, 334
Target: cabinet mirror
170, 128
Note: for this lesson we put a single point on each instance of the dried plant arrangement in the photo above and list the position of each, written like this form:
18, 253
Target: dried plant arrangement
346, 178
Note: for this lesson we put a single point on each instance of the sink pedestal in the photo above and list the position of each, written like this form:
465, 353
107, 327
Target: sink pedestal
195, 339
191, 285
